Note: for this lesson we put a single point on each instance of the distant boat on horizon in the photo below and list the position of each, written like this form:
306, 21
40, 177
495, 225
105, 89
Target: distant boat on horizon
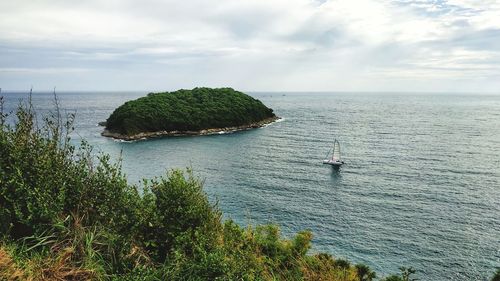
335, 161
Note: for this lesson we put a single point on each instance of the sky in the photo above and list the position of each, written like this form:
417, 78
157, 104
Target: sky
251, 45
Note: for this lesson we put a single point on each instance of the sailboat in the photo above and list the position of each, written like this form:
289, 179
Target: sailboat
335, 161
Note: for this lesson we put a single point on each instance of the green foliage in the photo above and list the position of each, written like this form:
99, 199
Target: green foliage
393, 278
43, 178
365, 273
187, 110
406, 273
280, 255
496, 277
184, 213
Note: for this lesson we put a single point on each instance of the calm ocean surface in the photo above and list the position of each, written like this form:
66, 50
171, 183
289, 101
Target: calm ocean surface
421, 186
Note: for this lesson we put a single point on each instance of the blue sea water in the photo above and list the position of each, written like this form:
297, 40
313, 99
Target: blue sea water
421, 186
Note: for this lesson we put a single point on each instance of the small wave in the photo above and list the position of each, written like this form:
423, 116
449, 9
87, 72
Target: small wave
276, 121
130, 141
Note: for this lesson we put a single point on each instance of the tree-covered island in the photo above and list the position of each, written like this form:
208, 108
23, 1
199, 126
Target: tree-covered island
199, 111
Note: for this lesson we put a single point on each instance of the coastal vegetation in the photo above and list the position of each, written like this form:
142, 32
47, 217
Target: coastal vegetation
187, 110
496, 276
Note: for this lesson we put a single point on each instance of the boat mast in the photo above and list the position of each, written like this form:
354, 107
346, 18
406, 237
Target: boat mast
338, 143
333, 150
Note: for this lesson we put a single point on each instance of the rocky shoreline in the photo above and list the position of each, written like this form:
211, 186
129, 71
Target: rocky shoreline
212, 131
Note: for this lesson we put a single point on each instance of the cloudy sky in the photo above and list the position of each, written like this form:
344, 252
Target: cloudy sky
251, 45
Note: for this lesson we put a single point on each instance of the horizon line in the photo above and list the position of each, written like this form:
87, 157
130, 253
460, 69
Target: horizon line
34, 90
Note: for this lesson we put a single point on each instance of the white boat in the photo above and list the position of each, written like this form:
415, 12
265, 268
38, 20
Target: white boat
335, 160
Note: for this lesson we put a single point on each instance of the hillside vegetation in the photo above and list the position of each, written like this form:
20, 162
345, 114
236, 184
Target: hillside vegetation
187, 110
65, 215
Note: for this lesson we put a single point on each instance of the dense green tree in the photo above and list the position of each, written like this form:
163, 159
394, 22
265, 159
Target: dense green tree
365, 273
187, 110
406, 273
496, 277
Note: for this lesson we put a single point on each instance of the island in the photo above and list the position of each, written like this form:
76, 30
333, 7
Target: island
200, 111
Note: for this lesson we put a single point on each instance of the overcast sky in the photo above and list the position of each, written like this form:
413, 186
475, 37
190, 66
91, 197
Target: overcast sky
251, 45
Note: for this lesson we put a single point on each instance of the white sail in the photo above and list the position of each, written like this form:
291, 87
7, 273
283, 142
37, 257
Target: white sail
336, 150
335, 161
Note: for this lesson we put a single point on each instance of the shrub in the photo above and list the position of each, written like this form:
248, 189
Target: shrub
406, 273
183, 212
43, 178
365, 273
496, 277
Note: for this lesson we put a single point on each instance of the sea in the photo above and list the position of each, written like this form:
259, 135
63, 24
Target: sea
420, 186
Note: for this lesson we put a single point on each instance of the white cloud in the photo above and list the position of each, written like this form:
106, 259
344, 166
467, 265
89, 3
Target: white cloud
46, 70
254, 44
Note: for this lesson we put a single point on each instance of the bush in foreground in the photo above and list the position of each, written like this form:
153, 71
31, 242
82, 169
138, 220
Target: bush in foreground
65, 215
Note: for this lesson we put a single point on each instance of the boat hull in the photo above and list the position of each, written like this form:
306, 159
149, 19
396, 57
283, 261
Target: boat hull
333, 163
